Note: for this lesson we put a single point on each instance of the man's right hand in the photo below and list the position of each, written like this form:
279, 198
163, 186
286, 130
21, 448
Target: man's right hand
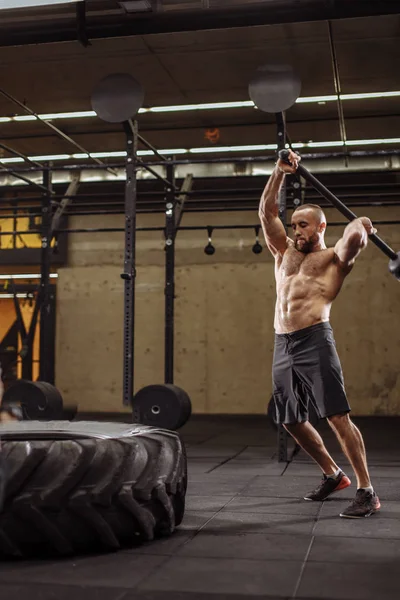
292, 168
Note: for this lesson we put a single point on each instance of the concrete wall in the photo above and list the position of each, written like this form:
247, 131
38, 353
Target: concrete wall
224, 318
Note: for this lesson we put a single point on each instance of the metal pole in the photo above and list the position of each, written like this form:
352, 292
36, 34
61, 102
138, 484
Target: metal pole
44, 290
338, 88
26, 346
15, 221
208, 161
186, 228
281, 142
153, 172
28, 339
246, 205
22, 178
129, 274
201, 193
152, 148
170, 234
34, 163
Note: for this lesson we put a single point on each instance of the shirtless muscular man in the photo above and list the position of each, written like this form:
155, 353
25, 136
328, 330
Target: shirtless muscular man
306, 367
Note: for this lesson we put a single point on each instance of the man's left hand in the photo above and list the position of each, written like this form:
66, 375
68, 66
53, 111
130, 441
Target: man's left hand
368, 226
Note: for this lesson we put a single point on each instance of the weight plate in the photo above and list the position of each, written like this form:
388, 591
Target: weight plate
274, 88
166, 406
117, 98
38, 400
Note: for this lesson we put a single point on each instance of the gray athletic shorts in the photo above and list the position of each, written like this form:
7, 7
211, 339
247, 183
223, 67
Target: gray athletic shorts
307, 368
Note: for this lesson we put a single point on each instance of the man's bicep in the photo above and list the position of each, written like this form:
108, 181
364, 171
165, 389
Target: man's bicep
346, 252
275, 234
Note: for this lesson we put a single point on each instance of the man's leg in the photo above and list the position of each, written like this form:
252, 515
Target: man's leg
334, 479
309, 439
352, 444
366, 502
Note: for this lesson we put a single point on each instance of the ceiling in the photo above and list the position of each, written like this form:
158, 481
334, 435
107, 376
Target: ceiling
49, 67
115, 18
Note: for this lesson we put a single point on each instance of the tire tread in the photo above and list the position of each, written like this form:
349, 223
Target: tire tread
69, 496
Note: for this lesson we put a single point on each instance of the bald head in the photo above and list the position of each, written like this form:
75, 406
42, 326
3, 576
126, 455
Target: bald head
314, 210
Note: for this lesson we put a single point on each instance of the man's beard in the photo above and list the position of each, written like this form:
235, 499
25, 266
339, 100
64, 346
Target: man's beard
306, 245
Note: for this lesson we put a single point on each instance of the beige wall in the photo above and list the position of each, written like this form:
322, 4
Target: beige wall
224, 318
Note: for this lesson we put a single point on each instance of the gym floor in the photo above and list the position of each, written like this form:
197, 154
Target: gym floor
247, 531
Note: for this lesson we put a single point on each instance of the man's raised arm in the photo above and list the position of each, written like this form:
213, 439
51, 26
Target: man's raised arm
355, 239
268, 212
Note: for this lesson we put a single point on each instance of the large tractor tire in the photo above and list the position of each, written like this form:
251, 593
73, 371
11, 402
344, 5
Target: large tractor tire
79, 487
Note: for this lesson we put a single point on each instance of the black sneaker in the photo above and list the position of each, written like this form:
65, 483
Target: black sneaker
328, 486
364, 504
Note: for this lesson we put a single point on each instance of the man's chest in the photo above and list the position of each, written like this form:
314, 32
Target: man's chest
314, 264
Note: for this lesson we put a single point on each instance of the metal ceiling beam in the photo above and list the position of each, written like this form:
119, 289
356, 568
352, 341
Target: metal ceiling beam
224, 168
81, 24
17, 178
271, 12
391, 157
49, 125
34, 163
